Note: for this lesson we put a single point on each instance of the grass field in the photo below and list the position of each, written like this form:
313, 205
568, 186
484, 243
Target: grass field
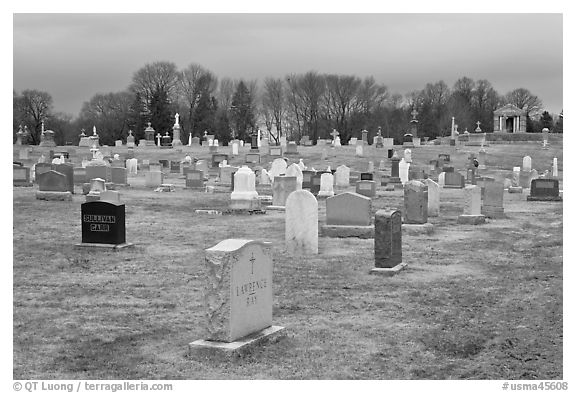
475, 302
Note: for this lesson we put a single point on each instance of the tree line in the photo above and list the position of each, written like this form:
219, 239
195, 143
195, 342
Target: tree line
311, 104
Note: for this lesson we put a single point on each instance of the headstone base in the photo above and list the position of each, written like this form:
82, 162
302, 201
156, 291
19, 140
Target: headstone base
544, 198
54, 195
92, 197
325, 194
388, 271
408, 144
272, 207
105, 246
471, 219
362, 232
418, 229
245, 204
493, 212
22, 184
47, 144
515, 190
207, 348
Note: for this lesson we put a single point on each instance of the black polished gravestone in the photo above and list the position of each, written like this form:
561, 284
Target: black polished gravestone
366, 176
103, 225
544, 190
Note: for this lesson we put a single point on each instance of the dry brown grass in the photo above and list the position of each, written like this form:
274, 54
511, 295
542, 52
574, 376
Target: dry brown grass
475, 302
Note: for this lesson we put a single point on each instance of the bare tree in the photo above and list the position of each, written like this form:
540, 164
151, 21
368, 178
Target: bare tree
110, 113
160, 76
525, 100
343, 98
33, 106
273, 104
311, 88
192, 82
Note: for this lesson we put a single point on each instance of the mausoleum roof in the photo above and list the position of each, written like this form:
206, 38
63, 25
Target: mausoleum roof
509, 110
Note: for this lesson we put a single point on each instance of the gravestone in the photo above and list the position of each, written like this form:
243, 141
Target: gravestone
132, 166
444, 157
244, 196
493, 199
41, 168
226, 174
307, 179
278, 168
527, 164
544, 190
415, 202
98, 171
359, 150
348, 208
292, 148
68, 171
252, 158
53, 186
154, 179
295, 170
408, 156
217, 158
283, 141
433, 198
326, 185
264, 177
119, 175
342, 176
275, 151
21, 176
395, 169
366, 188
202, 165
387, 242
237, 297
194, 179
515, 187
175, 167
472, 213
453, 180
301, 225
366, 176
103, 225
282, 187
442, 179
110, 196
403, 170
94, 189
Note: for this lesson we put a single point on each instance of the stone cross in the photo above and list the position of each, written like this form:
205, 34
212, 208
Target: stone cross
94, 150
130, 132
177, 117
158, 137
334, 134
149, 124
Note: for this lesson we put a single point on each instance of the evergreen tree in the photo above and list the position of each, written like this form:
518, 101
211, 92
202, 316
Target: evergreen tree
559, 126
160, 113
546, 121
242, 114
137, 119
204, 115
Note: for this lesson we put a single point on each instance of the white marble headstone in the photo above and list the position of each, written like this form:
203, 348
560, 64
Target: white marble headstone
278, 168
342, 176
433, 198
326, 185
295, 171
301, 234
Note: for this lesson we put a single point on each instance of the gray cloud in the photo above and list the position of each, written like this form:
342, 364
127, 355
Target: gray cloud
74, 56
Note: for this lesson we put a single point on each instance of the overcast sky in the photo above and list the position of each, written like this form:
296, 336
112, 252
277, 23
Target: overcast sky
74, 56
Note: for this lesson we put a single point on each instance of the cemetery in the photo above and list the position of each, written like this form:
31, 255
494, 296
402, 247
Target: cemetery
374, 261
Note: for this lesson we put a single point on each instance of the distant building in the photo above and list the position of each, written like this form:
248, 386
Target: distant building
509, 118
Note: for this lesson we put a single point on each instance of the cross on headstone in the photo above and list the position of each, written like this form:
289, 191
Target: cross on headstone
94, 150
252, 259
130, 132
478, 123
334, 134
158, 137
414, 113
